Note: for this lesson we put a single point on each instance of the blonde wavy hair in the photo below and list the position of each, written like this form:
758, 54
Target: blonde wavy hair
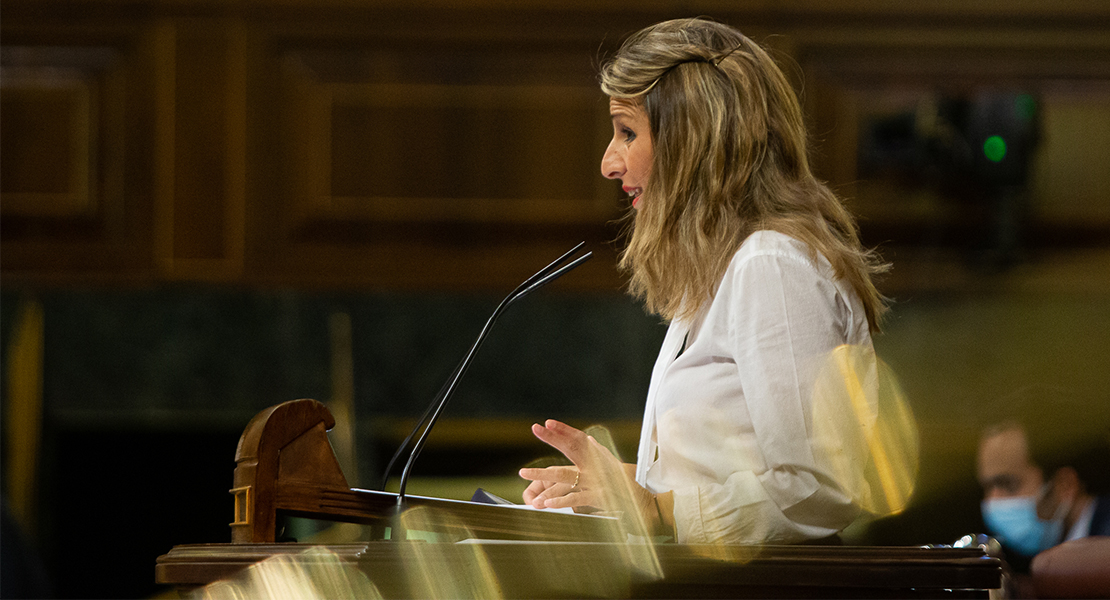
730, 158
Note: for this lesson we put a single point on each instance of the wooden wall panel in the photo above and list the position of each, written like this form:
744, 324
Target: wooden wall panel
74, 187
201, 222
438, 164
49, 174
432, 150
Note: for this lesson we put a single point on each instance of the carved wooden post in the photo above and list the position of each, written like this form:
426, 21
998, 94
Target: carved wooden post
282, 445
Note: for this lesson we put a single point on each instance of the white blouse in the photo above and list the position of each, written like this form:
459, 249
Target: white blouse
728, 422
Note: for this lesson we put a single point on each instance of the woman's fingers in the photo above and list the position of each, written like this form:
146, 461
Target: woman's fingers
561, 495
567, 475
585, 485
534, 489
548, 483
564, 438
553, 493
569, 500
542, 494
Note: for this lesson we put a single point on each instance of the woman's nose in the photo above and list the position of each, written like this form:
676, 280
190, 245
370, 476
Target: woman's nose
612, 167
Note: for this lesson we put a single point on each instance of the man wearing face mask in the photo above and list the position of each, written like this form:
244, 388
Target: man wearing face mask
1041, 476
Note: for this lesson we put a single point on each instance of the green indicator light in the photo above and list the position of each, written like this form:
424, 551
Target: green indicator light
994, 148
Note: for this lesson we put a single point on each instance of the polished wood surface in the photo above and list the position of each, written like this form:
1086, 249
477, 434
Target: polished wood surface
557, 570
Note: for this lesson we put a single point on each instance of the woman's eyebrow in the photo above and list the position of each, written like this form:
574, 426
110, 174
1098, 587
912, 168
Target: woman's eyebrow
620, 114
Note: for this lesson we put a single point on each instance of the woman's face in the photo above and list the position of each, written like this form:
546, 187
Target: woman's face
629, 154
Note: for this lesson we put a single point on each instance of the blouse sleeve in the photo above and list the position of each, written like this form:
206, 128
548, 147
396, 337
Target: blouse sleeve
784, 319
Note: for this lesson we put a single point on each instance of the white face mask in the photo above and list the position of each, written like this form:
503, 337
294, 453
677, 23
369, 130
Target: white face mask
1014, 520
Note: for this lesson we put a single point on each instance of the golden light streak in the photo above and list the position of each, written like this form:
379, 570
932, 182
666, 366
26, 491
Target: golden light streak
469, 575
864, 430
315, 574
23, 417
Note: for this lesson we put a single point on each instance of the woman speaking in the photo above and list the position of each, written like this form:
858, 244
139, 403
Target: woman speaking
759, 271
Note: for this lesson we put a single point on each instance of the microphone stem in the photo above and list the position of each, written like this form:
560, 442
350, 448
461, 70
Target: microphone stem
463, 367
546, 275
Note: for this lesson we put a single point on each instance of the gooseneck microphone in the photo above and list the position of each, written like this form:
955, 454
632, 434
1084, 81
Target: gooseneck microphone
546, 275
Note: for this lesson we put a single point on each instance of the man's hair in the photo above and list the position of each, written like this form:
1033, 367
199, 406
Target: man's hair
1062, 429
730, 158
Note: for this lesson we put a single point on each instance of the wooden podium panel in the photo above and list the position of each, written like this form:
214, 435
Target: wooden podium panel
607, 570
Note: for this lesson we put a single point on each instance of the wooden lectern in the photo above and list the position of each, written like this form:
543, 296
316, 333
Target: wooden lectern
286, 465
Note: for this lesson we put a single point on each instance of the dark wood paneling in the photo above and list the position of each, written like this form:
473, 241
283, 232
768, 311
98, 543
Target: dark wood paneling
47, 174
77, 139
433, 164
397, 146
202, 226
480, 135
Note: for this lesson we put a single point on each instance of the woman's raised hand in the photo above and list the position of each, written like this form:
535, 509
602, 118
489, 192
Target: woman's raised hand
597, 481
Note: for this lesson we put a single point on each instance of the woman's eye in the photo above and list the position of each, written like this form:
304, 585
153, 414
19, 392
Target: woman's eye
629, 135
